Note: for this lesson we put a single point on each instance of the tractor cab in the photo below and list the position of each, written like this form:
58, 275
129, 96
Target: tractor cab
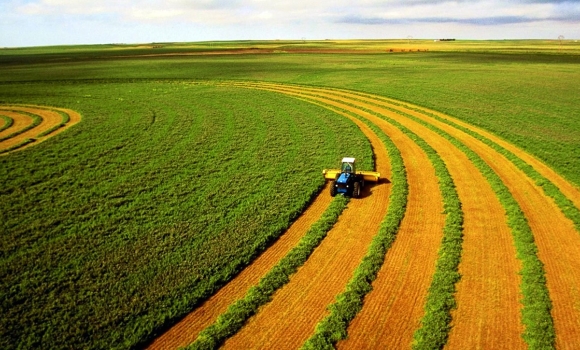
348, 166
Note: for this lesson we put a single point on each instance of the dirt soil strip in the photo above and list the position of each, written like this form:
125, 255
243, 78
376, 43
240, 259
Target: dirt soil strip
187, 330
289, 319
21, 121
488, 294
50, 118
571, 191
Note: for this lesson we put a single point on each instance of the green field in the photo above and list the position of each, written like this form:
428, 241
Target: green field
171, 184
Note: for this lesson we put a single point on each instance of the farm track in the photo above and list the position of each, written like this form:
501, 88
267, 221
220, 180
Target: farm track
289, 319
187, 330
50, 121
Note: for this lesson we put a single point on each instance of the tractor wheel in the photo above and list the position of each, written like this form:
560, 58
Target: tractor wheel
332, 189
356, 190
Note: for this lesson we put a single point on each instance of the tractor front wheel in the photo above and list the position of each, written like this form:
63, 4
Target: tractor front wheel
356, 190
332, 189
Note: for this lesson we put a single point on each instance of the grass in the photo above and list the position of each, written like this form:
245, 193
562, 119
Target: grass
334, 327
100, 224
238, 313
124, 223
8, 122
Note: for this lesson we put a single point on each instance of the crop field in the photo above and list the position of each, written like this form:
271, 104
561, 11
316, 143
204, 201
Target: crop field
171, 195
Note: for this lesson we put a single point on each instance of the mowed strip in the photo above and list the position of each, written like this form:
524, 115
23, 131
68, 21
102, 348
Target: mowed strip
403, 281
51, 120
568, 189
289, 319
20, 121
187, 330
557, 240
495, 298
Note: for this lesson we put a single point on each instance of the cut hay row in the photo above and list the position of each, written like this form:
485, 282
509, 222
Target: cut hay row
485, 212
303, 301
545, 219
421, 232
239, 312
499, 254
6, 122
27, 122
33, 124
556, 240
187, 330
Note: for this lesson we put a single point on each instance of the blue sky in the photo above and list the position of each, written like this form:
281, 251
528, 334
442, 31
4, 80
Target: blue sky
56, 22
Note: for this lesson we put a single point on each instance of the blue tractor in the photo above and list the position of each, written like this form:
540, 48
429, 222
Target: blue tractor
347, 181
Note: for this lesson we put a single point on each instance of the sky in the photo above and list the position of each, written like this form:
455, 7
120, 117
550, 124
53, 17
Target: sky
67, 22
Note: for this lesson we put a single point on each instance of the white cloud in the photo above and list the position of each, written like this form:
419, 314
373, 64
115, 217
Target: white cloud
266, 19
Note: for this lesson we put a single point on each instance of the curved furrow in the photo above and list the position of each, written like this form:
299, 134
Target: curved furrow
484, 226
404, 279
289, 319
186, 331
5, 122
557, 240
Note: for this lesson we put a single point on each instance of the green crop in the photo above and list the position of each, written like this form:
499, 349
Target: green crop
123, 224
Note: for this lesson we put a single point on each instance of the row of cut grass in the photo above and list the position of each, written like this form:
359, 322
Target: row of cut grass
440, 301
238, 313
539, 326
566, 206
65, 120
36, 120
18, 145
7, 122
333, 327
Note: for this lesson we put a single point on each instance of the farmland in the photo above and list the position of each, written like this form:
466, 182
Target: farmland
192, 186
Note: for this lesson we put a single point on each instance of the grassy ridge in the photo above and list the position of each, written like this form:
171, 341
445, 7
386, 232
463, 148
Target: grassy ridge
120, 226
238, 313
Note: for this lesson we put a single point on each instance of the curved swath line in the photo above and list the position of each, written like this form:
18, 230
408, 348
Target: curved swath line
568, 189
6, 122
53, 122
556, 238
565, 194
21, 121
303, 301
187, 330
557, 241
481, 207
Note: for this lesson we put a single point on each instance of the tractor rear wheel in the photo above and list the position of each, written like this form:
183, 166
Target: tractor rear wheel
356, 190
332, 189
